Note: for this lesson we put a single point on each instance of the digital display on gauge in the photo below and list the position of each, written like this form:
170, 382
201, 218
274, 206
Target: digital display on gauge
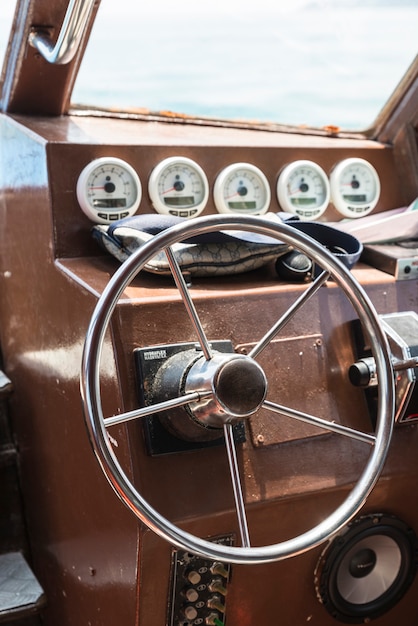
355, 198
109, 203
303, 201
179, 200
243, 206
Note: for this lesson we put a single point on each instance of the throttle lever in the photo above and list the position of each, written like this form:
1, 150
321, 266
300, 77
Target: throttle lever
362, 373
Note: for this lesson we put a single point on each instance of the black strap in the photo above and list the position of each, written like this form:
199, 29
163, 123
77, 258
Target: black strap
343, 245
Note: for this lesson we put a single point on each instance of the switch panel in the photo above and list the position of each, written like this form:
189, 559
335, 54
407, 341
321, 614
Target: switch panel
198, 589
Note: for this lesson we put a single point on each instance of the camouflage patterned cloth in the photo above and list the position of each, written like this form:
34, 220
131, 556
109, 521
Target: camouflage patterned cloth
212, 254
223, 253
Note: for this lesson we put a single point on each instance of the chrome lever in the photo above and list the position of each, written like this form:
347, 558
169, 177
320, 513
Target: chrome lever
72, 29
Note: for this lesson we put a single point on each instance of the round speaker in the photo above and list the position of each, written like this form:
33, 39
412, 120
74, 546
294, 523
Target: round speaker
366, 570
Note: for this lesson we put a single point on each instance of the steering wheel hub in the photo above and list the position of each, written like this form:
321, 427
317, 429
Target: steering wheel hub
237, 384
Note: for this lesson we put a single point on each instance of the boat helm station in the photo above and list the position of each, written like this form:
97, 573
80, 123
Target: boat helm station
208, 320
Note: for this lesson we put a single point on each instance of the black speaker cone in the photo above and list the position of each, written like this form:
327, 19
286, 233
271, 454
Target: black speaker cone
366, 570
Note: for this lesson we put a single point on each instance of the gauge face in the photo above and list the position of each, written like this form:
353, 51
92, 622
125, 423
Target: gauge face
355, 187
303, 188
178, 186
242, 188
108, 189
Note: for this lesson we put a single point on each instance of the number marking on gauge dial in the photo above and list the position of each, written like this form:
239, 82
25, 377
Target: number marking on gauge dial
108, 189
178, 186
303, 188
242, 188
355, 187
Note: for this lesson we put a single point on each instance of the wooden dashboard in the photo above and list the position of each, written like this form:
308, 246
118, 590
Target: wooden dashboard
86, 546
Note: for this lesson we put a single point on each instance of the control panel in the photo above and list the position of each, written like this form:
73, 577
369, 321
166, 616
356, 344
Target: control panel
198, 589
402, 334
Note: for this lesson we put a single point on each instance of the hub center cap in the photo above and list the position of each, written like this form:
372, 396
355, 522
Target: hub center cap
237, 384
240, 386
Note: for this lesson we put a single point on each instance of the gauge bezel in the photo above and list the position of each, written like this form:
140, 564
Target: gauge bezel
342, 205
99, 215
154, 193
222, 179
283, 196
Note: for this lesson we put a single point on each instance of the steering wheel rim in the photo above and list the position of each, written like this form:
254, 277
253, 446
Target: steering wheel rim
91, 396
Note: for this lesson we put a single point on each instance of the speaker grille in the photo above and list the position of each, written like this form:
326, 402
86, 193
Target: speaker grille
366, 570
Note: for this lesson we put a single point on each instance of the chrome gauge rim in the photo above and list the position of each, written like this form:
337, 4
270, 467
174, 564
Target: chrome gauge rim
90, 391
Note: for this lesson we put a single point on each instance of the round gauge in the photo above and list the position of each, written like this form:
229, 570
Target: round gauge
242, 188
355, 187
303, 188
178, 186
108, 189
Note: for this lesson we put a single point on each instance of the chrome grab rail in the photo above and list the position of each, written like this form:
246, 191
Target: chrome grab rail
72, 29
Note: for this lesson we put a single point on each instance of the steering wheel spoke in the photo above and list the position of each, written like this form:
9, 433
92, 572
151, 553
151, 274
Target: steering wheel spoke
287, 316
188, 303
146, 411
352, 433
236, 485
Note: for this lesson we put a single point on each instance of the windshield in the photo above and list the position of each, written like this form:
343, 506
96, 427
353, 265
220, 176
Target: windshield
305, 62
301, 62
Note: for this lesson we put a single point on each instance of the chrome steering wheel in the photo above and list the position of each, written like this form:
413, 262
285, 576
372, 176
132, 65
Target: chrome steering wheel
206, 390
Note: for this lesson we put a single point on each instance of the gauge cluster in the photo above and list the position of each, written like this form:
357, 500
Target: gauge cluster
109, 189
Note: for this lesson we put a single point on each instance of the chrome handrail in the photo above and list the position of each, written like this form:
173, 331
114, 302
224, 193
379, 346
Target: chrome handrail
72, 29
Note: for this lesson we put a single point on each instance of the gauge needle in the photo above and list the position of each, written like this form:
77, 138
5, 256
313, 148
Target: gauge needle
232, 195
303, 187
241, 191
178, 186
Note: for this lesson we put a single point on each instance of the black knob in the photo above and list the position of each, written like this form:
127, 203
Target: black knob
362, 373
293, 266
